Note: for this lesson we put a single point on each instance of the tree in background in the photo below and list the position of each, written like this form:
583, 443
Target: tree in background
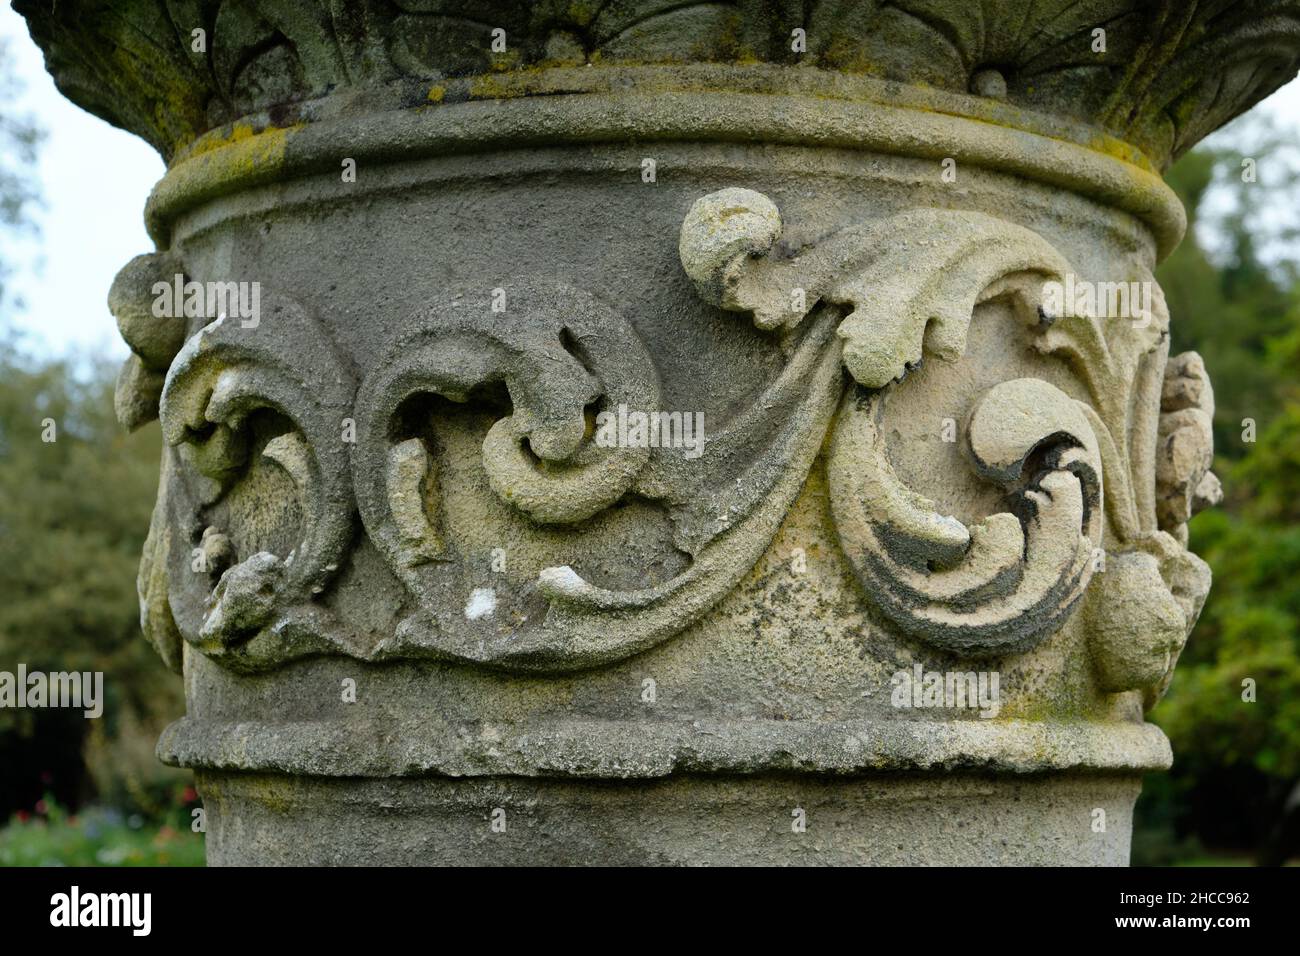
73, 513
1233, 295
20, 139
72, 516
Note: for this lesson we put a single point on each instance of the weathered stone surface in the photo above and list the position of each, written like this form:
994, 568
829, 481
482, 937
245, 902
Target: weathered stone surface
1021, 821
1171, 73
909, 562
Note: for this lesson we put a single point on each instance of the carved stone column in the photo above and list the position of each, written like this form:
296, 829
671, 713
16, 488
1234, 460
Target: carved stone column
897, 575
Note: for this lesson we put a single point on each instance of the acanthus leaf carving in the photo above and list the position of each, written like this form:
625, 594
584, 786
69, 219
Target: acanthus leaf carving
909, 285
1153, 416
874, 299
909, 282
1144, 611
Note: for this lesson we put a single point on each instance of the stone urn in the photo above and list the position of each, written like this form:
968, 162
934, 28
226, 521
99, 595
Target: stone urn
647, 432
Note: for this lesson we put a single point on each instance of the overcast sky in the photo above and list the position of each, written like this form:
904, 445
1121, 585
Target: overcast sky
95, 179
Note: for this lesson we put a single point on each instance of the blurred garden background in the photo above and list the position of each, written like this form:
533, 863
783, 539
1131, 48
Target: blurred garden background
73, 515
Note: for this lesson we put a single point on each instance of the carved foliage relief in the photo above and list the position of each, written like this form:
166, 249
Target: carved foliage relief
1173, 73
283, 478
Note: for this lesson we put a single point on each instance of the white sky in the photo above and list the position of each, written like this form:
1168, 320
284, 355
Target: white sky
95, 179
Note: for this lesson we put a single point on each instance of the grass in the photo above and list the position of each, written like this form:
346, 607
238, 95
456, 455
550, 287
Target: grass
96, 837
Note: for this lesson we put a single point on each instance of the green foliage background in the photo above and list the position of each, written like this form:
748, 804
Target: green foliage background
1236, 761
73, 514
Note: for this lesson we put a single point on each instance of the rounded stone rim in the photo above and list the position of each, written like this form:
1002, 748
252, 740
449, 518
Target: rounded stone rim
594, 749
761, 105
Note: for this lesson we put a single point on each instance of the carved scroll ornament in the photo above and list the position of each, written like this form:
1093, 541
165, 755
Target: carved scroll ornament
1084, 519
239, 399
908, 287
